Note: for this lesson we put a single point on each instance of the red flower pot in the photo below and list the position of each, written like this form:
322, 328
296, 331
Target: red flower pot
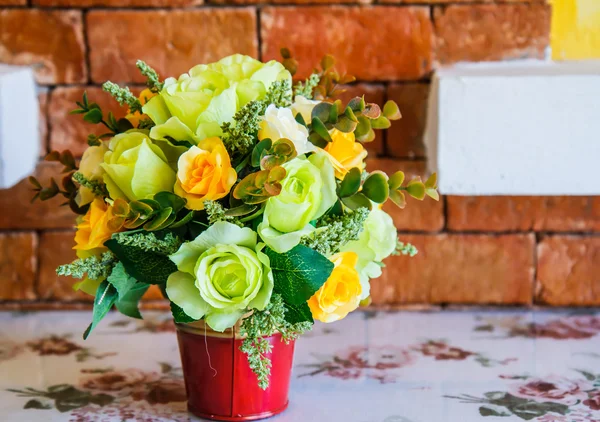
220, 385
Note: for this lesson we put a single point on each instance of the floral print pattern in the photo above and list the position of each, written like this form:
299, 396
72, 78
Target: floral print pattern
375, 367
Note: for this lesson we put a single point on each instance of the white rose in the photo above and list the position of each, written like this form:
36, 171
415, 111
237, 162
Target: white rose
280, 123
304, 106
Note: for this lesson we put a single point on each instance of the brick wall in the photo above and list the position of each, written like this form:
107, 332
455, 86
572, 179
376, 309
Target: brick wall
483, 250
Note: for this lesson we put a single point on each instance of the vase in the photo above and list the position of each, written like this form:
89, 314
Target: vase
219, 382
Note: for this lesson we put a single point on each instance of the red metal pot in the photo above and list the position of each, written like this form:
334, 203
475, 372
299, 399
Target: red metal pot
220, 385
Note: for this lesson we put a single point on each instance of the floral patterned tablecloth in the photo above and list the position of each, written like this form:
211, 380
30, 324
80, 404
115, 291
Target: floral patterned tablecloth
370, 367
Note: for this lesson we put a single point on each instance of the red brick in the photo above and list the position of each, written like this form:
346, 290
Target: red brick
170, 41
17, 265
19, 213
568, 271
405, 137
117, 3
426, 215
56, 248
291, 1
460, 1
70, 131
491, 32
524, 213
50, 41
373, 94
467, 269
13, 2
371, 43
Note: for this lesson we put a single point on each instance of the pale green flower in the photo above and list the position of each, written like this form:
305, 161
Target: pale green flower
137, 167
308, 191
195, 106
376, 242
222, 274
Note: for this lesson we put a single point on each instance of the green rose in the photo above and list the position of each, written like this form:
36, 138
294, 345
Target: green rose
194, 107
137, 167
376, 242
308, 191
222, 274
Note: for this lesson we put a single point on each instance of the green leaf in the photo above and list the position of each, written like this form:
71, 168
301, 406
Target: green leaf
141, 208
145, 266
363, 127
188, 217
391, 110
380, 123
321, 111
257, 152
179, 316
157, 221
128, 304
298, 313
93, 116
36, 404
357, 104
368, 137
319, 127
357, 201
297, 275
345, 124
123, 125
120, 280
154, 204
169, 199
106, 296
376, 187
351, 183
487, 410
398, 198
416, 189
396, 180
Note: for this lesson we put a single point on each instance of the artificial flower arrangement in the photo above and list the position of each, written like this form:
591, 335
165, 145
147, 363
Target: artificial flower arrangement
242, 196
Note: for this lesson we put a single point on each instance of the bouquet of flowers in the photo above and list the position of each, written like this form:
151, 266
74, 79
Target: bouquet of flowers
242, 196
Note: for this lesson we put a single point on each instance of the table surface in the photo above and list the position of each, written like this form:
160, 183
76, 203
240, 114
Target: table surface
371, 367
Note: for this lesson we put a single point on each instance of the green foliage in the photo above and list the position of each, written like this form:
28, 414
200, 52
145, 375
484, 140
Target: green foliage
179, 315
297, 275
335, 231
123, 96
268, 154
306, 89
257, 187
97, 188
106, 296
120, 280
240, 137
152, 80
279, 93
288, 61
95, 268
145, 266
415, 188
129, 303
149, 241
263, 324
216, 212
351, 183
405, 249
92, 113
152, 214
375, 187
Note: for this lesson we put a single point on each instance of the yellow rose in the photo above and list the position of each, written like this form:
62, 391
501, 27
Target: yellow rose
341, 293
205, 173
95, 228
144, 97
345, 153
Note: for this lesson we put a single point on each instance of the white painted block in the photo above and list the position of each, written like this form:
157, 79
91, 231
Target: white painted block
19, 136
517, 128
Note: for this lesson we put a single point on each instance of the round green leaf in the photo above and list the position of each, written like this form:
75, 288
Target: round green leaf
398, 198
376, 187
416, 189
391, 110
357, 201
380, 123
351, 183
396, 180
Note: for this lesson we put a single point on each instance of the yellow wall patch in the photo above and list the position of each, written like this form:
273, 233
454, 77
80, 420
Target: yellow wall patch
575, 31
